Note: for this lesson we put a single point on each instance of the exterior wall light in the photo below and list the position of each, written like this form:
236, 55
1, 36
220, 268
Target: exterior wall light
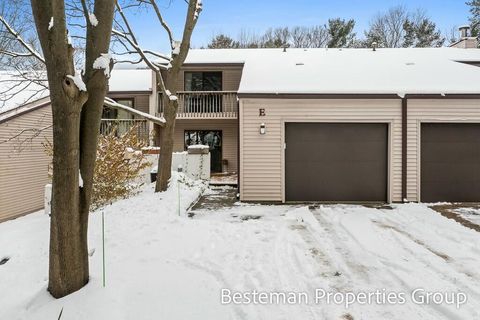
262, 128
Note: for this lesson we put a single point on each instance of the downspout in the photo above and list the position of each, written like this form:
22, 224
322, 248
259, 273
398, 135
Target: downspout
238, 148
404, 148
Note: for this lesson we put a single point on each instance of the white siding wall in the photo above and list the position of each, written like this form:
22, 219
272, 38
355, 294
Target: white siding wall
446, 110
262, 173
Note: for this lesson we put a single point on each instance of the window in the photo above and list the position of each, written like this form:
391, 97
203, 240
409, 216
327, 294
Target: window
203, 81
111, 113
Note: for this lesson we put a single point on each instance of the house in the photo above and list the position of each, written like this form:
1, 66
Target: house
25, 128
356, 125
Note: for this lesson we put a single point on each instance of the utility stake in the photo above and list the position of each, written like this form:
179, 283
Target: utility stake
103, 245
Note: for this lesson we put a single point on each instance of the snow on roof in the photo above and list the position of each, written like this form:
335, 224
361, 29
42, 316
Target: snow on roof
351, 71
15, 92
131, 80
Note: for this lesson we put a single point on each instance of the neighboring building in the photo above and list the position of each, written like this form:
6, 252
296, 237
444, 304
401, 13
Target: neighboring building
316, 124
466, 41
24, 128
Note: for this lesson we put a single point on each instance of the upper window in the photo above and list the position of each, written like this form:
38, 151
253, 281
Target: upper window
203, 81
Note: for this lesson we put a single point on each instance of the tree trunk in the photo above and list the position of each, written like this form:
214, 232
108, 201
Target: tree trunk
164, 172
68, 269
73, 153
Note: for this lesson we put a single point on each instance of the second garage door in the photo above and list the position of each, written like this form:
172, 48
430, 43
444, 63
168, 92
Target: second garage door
336, 161
450, 162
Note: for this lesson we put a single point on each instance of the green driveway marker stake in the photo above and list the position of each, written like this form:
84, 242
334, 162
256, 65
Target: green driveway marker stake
103, 245
178, 184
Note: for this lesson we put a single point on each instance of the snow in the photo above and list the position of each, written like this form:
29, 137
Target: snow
80, 179
351, 71
176, 47
470, 214
77, 80
160, 265
14, 92
93, 19
132, 80
198, 146
103, 62
50, 24
173, 97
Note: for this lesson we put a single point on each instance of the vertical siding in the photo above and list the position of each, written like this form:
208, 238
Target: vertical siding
231, 76
23, 167
261, 171
229, 136
445, 110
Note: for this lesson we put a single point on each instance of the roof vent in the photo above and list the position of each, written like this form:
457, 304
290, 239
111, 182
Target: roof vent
299, 64
374, 46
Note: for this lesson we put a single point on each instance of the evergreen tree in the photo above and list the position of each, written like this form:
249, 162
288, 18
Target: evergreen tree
475, 17
340, 33
422, 34
223, 41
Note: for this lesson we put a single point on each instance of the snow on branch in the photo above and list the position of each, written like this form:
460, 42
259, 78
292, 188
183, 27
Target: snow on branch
103, 62
17, 36
113, 104
78, 81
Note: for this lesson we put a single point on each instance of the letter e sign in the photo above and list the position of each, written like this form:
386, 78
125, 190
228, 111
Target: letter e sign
261, 112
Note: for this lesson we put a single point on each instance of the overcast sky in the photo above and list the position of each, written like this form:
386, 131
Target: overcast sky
231, 16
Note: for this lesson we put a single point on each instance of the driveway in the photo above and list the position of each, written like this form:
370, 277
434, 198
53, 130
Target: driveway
407, 250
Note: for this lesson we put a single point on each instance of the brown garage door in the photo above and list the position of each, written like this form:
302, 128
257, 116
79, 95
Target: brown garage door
336, 161
450, 162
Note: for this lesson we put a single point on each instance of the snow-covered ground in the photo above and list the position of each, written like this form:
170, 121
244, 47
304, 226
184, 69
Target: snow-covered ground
162, 266
470, 214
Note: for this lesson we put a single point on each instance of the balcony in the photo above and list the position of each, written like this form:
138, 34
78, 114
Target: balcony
121, 126
205, 105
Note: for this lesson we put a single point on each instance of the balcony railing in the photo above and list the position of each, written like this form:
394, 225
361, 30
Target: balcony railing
205, 104
121, 126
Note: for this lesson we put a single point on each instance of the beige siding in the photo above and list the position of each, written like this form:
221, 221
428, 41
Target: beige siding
262, 156
23, 166
419, 111
231, 76
141, 101
229, 135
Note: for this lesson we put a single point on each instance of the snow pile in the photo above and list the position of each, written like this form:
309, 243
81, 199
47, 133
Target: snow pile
93, 19
77, 80
103, 62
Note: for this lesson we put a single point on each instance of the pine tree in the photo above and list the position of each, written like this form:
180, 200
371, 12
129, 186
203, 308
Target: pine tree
223, 41
422, 34
475, 17
340, 33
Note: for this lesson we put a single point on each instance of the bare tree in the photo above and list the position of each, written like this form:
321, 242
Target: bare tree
167, 70
77, 102
387, 28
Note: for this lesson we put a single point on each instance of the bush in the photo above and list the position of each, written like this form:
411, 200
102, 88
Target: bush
117, 167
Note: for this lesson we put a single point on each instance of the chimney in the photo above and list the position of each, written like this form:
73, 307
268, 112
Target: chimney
464, 31
465, 41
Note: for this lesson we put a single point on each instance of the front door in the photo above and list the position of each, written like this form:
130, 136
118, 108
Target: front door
210, 138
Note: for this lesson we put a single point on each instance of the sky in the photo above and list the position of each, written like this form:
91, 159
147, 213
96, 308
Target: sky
232, 16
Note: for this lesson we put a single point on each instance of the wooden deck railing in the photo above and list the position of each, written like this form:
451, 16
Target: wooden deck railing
205, 104
123, 125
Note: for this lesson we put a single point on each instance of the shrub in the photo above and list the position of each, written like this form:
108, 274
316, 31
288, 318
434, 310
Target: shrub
117, 167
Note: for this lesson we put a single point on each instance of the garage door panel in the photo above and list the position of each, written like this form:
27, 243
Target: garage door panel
336, 162
452, 151
450, 162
